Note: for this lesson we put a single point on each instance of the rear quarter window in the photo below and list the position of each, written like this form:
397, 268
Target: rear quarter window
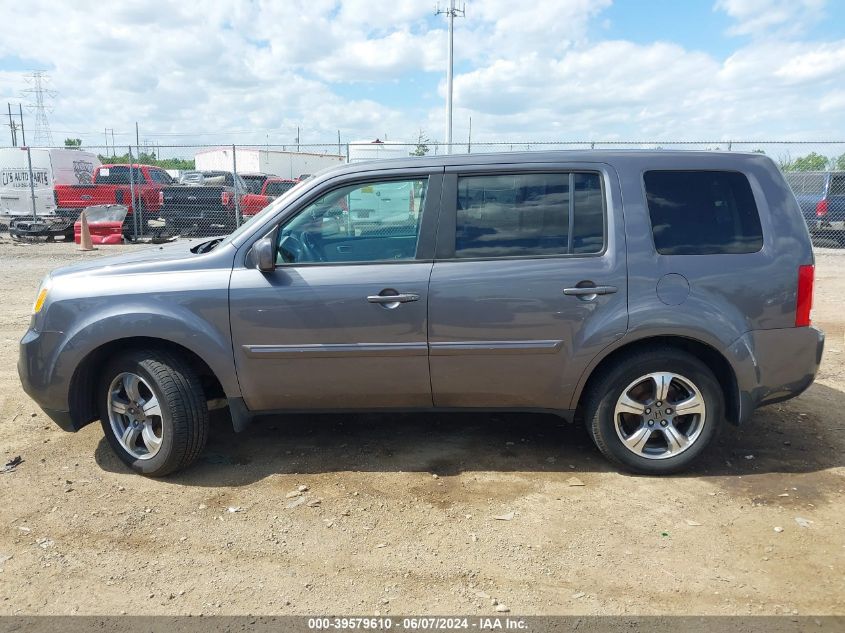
702, 213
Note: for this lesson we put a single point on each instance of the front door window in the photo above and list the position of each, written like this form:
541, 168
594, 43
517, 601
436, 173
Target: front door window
371, 222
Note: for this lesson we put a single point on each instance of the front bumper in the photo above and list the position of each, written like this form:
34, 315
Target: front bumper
39, 378
775, 365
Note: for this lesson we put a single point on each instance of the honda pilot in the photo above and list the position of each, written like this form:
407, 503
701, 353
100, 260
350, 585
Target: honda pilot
653, 295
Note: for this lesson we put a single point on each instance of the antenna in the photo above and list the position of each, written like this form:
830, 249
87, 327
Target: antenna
451, 13
39, 94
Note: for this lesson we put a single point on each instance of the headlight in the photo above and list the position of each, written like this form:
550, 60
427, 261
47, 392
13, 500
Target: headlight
43, 291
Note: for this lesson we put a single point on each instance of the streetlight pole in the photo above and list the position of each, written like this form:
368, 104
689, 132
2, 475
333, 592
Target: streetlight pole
451, 13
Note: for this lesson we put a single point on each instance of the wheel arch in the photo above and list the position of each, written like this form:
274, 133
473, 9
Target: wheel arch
82, 394
709, 355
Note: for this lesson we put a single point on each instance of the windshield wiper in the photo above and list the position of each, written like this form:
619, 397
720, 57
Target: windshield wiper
205, 247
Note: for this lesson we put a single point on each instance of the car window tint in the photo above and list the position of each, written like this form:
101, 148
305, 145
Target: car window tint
118, 175
837, 185
161, 176
702, 212
588, 219
276, 188
375, 221
518, 215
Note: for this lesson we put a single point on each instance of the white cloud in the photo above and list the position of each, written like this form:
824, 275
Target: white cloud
267, 67
765, 17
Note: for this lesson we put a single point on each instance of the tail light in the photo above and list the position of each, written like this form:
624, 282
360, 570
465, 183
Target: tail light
821, 208
160, 198
804, 303
226, 198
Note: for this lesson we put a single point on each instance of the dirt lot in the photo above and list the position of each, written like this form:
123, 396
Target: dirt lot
405, 520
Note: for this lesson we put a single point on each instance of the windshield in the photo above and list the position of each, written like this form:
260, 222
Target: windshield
269, 209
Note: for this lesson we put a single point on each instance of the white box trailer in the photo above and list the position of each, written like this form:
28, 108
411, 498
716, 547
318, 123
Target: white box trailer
50, 167
264, 161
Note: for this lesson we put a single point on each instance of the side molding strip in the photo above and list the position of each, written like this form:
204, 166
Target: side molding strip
481, 348
342, 350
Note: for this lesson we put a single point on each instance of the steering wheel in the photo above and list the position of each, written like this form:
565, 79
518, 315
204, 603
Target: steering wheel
311, 248
299, 247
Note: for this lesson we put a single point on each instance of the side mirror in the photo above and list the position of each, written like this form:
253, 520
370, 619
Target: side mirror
265, 254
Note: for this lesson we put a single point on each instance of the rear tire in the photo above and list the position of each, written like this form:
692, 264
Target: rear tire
153, 411
630, 410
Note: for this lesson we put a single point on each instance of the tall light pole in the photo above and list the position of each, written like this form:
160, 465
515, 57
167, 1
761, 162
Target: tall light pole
451, 13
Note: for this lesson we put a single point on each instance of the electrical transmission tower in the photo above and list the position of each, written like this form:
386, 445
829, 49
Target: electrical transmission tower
38, 94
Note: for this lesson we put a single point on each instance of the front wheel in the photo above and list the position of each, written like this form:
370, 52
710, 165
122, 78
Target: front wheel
654, 412
153, 411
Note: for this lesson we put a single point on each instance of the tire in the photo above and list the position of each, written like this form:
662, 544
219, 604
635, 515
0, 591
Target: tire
662, 440
166, 438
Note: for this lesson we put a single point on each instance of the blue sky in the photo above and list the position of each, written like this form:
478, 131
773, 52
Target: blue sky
254, 71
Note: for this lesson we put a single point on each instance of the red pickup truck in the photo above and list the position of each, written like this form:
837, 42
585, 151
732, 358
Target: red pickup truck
110, 185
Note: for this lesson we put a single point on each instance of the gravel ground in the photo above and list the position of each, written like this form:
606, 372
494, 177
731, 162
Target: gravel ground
400, 511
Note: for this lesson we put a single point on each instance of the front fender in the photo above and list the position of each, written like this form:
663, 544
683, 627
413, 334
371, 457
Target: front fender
173, 324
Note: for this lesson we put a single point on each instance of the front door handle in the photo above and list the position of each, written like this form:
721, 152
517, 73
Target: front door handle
586, 291
393, 298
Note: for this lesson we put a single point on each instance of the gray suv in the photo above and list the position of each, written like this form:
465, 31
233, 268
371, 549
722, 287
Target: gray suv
653, 294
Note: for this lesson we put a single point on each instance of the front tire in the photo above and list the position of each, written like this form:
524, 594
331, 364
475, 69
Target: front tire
654, 412
153, 411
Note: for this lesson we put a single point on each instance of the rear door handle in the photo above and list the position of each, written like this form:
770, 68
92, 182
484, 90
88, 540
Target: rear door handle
584, 291
398, 298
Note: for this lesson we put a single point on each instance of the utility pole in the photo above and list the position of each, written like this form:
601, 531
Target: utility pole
12, 127
451, 13
297, 139
469, 137
23, 131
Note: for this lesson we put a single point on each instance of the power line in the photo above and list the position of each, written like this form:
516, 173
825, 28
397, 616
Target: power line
39, 94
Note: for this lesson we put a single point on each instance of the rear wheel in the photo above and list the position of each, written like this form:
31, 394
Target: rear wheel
654, 412
153, 411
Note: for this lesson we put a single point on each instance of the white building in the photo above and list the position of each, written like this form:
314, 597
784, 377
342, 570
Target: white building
276, 162
375, 150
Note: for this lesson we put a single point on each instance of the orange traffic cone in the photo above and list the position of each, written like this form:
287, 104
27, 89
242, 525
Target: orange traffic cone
85, 234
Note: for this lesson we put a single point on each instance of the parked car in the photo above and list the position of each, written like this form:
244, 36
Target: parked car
50, 168
114, 184
207, 203
255, 181
821, 196
653, 294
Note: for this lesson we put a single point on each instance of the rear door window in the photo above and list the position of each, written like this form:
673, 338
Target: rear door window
702, 212
524, 215
118, 175
837, 185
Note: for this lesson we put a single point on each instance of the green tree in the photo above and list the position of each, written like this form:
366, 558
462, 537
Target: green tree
150, 159
811, 162
422, 145
838, 163
73, 143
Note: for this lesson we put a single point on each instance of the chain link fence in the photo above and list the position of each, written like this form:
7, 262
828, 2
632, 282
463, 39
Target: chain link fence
175, 191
